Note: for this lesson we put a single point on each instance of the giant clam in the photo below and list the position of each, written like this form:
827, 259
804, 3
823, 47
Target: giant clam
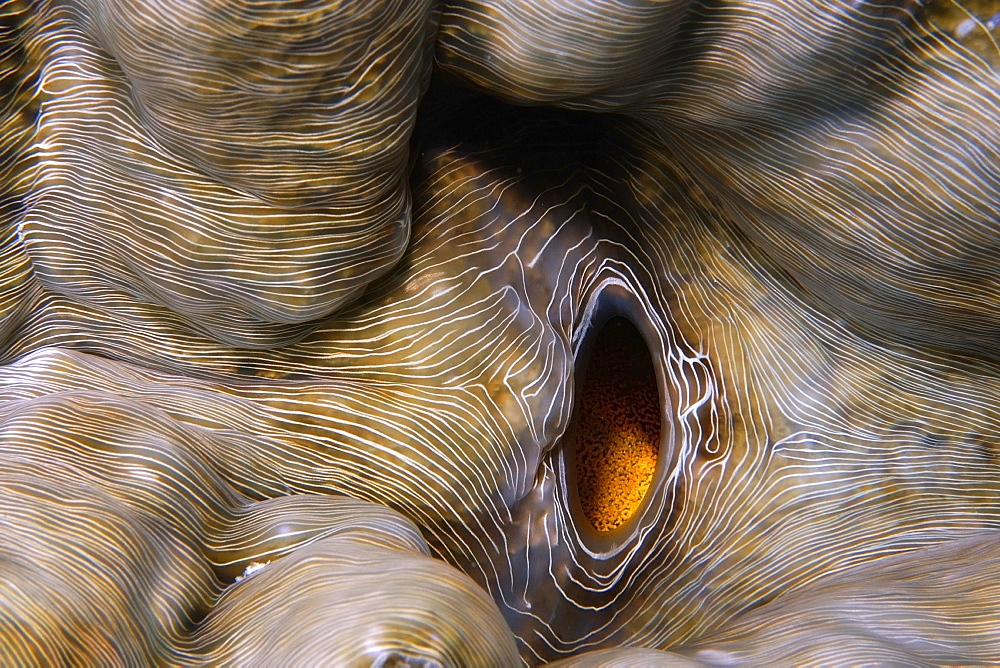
690, 357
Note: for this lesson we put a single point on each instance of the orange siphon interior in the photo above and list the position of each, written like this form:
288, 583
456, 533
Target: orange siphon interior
618, 426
